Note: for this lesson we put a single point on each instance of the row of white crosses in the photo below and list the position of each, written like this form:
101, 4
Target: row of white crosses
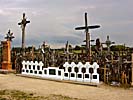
36, 69
89, 75
32, 68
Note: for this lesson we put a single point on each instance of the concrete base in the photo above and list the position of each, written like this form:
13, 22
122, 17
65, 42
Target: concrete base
3, 71
6, 66
62, 81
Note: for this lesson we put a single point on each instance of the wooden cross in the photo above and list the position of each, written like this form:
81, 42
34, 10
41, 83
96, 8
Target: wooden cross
108, 43
66, 51
23, 25
105, 71
86, 28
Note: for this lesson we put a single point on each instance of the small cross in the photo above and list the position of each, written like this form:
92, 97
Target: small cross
23, 22
108, 43
9, 36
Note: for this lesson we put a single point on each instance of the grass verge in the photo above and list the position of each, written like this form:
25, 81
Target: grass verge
19, 95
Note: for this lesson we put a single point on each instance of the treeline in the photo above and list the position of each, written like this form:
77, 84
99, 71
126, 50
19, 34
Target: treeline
77, 47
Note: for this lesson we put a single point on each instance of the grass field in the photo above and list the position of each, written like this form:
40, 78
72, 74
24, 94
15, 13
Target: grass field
18, 95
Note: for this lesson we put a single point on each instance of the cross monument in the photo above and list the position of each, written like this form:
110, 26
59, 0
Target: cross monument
23, 25
86, 28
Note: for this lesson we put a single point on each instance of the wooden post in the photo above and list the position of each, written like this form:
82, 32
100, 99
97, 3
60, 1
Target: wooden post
105, 73
132, 71
32, 53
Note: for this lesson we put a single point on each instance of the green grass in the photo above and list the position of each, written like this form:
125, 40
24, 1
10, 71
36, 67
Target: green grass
77, 51
19, 95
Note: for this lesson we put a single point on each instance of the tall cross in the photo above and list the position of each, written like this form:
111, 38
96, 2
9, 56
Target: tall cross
86, 28
23, 25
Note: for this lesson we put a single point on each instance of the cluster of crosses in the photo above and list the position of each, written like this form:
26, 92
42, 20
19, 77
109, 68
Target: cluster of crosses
89, 56
103, 60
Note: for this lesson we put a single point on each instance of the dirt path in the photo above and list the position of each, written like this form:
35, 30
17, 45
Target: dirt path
45, 87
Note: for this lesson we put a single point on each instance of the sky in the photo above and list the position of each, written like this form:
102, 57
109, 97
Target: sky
54, 21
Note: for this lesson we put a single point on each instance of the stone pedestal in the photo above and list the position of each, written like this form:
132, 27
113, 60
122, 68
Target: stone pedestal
132, 70
6, 55
6, 66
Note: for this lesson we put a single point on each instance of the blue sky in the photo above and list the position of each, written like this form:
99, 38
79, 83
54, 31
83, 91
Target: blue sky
54, 21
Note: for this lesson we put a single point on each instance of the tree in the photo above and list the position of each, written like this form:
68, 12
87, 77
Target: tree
117, 47
77, 47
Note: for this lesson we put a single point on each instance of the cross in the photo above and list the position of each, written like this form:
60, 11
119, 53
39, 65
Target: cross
66, 52
108, 43
105, 72
86, 28
23, 25
9, 36
43, 52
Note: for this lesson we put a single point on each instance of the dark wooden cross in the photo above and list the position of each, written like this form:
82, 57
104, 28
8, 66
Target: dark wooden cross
23, 25
86, 28
9, 36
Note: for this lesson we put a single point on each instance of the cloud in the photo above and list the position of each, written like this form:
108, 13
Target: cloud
54, 21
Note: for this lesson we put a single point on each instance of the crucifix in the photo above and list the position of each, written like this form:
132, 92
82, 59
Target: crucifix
23, 25
86, 28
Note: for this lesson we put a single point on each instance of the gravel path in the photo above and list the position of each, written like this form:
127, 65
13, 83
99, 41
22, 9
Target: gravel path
45, 88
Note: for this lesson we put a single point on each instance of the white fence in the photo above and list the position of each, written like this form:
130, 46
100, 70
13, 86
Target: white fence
75, 72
